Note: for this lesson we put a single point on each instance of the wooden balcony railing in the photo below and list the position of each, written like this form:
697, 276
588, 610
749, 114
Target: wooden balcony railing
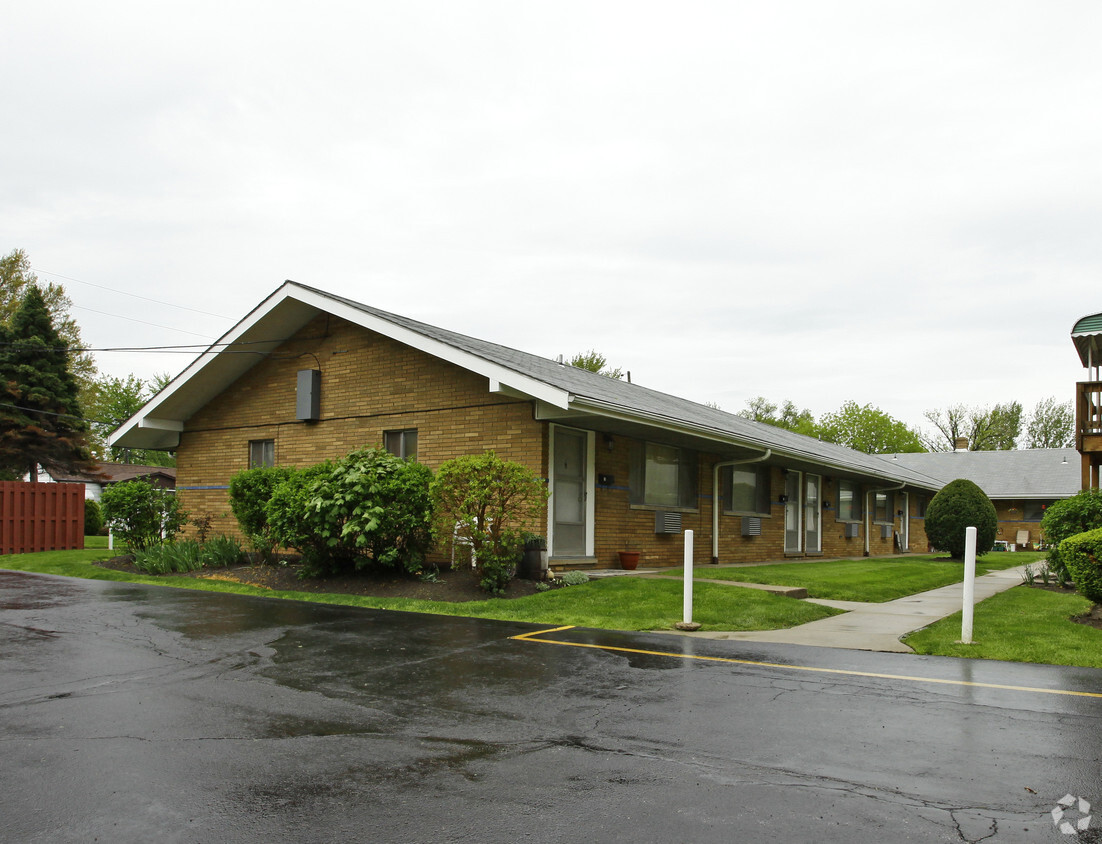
1088, 412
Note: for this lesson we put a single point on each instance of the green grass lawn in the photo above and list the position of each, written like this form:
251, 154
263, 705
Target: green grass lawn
615, 603
867, 579
1021, 625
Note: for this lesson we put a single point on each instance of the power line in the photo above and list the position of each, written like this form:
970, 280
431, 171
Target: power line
142, 321
125, 293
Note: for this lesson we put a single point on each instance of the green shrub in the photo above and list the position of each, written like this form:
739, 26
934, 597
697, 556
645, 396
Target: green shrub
1066, 518
142, 515
170, 557
369, 508
93, 517
959, 505
486, 502
250, 492
189, 555
574, 578
1083, 556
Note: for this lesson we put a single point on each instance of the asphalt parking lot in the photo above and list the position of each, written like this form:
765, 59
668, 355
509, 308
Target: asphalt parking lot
136, 713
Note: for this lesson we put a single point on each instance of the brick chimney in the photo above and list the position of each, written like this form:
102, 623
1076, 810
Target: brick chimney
961, 444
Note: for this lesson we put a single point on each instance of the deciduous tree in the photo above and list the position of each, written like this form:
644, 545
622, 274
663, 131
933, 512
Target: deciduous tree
110, 401
594, 361
995, 428
868, 429
787, 416
1051, 425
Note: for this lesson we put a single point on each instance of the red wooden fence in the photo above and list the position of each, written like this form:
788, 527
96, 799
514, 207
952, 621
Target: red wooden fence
40, 517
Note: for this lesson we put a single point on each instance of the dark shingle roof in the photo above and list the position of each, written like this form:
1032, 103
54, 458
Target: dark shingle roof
592, 389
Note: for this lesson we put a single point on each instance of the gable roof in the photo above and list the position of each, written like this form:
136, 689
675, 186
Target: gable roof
561, 392
1035, 473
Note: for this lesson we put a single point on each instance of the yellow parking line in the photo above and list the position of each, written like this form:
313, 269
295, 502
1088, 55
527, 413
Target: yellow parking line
529, 637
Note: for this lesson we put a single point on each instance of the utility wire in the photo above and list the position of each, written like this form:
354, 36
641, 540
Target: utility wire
142, 321
124, 293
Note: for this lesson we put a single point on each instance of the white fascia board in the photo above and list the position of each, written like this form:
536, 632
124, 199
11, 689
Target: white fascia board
611, 411
161, 424
143, 417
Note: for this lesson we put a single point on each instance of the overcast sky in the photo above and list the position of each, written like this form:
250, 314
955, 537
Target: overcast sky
898, 203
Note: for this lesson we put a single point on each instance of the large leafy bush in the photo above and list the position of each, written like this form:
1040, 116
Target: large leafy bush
141, 514
1066, 518
485, 502
367, 509
960, 504
1082, 554
250, 492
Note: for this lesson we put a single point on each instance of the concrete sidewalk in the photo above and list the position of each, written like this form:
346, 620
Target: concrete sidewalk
877, 627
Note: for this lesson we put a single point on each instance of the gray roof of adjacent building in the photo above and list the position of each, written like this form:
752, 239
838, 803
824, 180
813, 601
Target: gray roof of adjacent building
1035, 473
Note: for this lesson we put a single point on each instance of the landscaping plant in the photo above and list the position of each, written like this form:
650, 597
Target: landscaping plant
1082, 554
486, 503
250, 492
142, 515
93, 517
369, 508
1066, 518
959, 505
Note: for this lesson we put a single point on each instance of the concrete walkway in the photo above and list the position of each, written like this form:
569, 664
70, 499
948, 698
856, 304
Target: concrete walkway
877, 627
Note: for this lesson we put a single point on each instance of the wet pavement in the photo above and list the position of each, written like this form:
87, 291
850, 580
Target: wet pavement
136, 713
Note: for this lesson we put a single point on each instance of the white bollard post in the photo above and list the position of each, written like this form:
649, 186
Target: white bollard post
969, 585
110, 540
687, 609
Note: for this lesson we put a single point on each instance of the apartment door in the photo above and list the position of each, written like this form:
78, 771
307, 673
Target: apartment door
813, 515
569, 493
793, 513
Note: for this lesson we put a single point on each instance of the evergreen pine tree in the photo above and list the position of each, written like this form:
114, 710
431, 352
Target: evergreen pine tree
40, 416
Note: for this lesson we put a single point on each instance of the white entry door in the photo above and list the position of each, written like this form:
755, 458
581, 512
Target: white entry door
569, 493
793, 513
813, 515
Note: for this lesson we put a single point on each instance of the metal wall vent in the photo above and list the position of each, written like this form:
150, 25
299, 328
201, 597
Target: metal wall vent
853, 530
885, 531
667, 522
751, 526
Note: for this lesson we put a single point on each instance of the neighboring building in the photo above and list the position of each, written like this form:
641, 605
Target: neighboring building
1021, 484
105, 474
628, 468
1086, 334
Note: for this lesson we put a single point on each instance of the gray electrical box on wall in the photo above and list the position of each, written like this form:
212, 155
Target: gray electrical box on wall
308, 395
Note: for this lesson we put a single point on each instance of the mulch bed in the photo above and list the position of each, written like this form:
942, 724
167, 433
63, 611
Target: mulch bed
451, 585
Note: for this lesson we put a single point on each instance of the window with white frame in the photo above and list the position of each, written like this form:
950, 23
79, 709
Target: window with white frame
261, 454
401, 443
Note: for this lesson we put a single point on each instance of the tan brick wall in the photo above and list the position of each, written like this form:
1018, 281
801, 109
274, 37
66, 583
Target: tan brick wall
369, 384
622, 527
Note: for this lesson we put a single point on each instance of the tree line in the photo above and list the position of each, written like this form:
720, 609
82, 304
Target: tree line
999, 427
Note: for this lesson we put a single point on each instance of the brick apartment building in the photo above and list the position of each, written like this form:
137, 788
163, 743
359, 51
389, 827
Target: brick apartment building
308, 376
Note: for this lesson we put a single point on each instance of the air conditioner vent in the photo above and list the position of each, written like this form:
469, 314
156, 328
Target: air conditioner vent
853, 530
885, 531
667, 522
751, 526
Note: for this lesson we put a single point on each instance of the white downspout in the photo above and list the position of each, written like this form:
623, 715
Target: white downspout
716, 503
868, 512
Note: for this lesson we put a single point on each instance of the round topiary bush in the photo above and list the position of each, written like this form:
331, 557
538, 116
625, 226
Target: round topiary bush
959, 505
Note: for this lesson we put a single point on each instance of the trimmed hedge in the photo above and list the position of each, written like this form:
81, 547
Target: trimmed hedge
1082, 554
1067, 518
959, 505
